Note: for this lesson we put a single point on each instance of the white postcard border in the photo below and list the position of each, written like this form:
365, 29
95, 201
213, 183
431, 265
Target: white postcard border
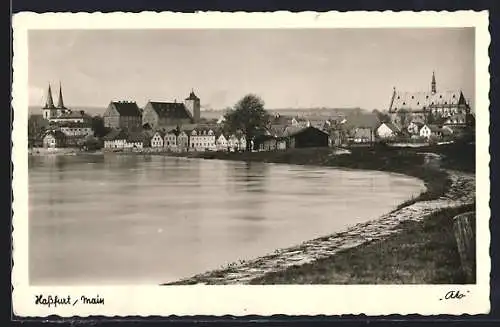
246, 300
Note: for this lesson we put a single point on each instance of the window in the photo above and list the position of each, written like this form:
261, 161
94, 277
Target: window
413, 97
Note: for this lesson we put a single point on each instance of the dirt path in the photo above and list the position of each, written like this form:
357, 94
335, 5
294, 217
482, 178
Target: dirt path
462, 191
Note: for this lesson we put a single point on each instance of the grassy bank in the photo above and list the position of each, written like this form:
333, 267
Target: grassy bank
422, 253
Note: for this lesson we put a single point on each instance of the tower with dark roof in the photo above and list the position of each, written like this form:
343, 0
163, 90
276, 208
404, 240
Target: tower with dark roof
433, 84
192, 104
49, 110
60, 102
49, 103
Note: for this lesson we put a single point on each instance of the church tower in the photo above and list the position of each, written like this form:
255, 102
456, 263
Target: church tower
433, 84
49, 110
60, 102
192, 104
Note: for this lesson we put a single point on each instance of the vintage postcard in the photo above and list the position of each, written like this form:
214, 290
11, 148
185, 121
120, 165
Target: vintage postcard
250, 163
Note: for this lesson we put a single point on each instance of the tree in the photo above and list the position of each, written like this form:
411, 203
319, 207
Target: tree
247, 117
36, 126
98, 126
383, 117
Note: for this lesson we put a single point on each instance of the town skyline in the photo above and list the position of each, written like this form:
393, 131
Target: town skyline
287, 68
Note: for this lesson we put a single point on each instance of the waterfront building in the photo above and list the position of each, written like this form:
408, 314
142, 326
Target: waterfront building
123, 139
54, 139
429, 131
115, 139
162, 114
430, 107
221, 142
387, 130
243, 143
122, 115
265, 142
307, 137
76, 129
183, 141
171, 139
202, 139
157, 141
362, 135
136, 140
233, 142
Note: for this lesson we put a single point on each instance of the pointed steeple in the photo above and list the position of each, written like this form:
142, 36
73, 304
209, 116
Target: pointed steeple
60, 102
49, 103
392, 98
433, 83
192, 96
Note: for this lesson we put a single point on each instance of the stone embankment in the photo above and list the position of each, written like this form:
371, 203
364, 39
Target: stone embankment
460, 192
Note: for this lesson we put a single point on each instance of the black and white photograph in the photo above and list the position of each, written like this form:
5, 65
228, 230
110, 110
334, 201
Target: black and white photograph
281, 158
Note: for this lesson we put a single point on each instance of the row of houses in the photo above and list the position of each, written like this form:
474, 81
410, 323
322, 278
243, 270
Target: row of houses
176, 139
419, 130
208, 139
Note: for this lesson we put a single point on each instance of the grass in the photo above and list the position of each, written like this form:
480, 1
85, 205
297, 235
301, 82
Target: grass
421, 253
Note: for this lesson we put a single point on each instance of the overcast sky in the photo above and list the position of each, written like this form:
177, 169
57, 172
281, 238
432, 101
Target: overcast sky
286, 67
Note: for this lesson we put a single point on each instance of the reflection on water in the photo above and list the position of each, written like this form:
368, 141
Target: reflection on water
153, 219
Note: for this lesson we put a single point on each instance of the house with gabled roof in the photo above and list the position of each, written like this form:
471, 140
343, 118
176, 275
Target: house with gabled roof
429, 130
183, 140
123, 114
54, 139
171, 139
157, 140
221, 141
387, 130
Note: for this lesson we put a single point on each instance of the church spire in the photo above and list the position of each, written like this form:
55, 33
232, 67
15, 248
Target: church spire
49, 103
433, 83
60, 102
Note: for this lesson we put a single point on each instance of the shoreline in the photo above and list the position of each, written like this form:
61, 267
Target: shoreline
457, 191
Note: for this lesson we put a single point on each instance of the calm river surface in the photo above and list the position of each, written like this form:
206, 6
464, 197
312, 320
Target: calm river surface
120, 219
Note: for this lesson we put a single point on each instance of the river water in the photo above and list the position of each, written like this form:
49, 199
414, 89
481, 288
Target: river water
124, 219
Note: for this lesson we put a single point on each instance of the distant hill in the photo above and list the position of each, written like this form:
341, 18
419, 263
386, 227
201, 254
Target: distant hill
301, 112
89, 110
215, 114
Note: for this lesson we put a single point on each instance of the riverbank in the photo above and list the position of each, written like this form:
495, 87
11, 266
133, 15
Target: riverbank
61, 152
411, 244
